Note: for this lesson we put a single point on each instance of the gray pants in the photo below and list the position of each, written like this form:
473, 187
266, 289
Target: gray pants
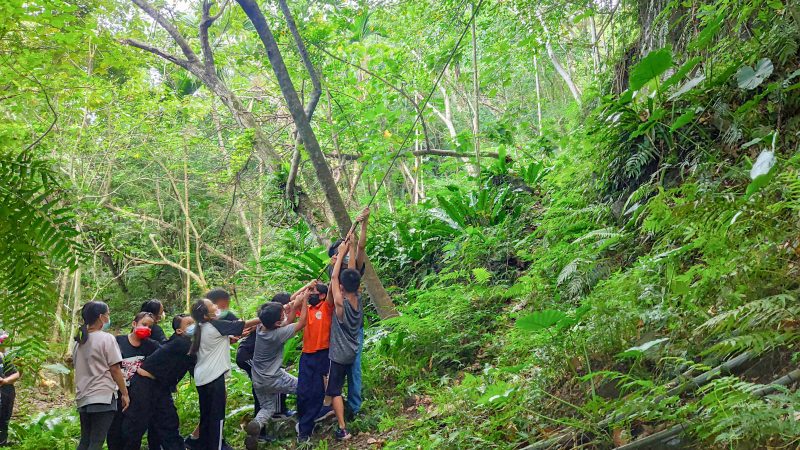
267, 393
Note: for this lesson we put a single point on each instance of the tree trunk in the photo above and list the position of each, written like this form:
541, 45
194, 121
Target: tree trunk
538, 92
76, 302
476, 92
377, 293
62, 290
576, 93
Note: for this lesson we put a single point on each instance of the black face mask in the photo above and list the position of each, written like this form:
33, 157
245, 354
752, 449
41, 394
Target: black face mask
314, 299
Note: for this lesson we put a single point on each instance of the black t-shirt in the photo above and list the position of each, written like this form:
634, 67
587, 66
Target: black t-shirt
7, 369
132, 357
170, 363
158, 334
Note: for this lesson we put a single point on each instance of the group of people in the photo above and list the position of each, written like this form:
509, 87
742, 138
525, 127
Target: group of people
124, 384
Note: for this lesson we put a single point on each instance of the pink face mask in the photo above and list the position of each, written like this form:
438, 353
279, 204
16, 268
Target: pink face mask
3, 338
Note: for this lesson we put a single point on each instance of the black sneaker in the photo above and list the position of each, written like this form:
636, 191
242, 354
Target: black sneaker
342, 434
253, 430
191, 442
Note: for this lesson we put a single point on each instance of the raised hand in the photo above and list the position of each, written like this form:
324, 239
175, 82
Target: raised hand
363, 215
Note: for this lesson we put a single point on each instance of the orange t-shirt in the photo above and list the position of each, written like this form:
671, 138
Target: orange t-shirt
317, 334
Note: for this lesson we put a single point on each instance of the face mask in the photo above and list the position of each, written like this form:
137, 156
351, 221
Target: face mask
221, 313
107, 325
190, 330
142, 332
314, 299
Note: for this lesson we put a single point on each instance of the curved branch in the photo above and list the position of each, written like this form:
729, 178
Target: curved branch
158, 52
52, 109
205, 24
169, 28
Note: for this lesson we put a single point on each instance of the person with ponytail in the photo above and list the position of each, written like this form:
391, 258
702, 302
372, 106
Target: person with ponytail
99, 380
152, 386
212, 347
134, 347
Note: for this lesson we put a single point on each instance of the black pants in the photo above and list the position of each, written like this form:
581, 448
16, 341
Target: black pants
7, 396
116, 436
311, 388
248, 367
213, 397
153, 410
94, 429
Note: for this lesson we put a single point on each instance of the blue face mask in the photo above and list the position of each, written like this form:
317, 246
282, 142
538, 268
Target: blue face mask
107, 325
190, 330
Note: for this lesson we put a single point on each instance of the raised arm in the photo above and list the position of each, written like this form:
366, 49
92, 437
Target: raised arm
335, 289
252, 322
362, 238
301, 322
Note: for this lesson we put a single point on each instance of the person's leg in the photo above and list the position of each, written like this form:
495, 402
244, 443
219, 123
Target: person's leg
314, 368
101, 422
204, 401
354, 379
165, 421
115, 438
139, 413
7, 397
86, 429
248, 367
216, 421
334, 391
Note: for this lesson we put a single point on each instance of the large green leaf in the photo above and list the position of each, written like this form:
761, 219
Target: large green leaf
541, 320
651, 66
749, 78
682, 120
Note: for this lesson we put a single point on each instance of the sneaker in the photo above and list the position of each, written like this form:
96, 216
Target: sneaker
324, 413
191, 442
342, 434
283, 415
253, 430
225, 446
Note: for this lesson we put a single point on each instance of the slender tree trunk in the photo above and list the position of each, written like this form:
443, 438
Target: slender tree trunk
576, 94
538, 93
186, 233
476, 92
76, 305
62, 290
593, 43
378, 294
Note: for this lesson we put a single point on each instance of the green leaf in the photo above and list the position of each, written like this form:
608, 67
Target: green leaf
748, 78
651, 66
541, 320
481, 275
682, 120
705, 36
680, 73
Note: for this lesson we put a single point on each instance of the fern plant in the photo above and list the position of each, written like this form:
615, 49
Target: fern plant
37, 235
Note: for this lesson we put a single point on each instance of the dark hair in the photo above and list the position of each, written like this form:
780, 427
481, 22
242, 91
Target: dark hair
322, 288
350, 280
269, 313
282, 298
90, 312
199, 313
141, 315
218, 294
152, 306
177, 321
334, 246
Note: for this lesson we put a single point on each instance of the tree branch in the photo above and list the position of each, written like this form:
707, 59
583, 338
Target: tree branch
176, 35
236, 263
205, 24
158, 52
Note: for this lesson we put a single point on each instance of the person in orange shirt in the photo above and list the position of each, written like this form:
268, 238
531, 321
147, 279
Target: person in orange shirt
314, 362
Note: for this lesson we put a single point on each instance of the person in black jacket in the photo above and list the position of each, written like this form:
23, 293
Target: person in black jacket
155, 308
8, 376
152, 387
